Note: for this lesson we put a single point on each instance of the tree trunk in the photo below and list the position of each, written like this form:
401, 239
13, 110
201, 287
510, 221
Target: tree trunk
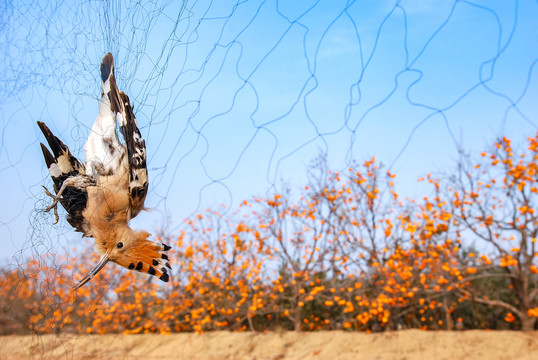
297, 318
449, 323
296, 311
527, 322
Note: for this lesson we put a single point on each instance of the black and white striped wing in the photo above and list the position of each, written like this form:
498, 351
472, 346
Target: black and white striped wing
62, 165
135, 146
136, 154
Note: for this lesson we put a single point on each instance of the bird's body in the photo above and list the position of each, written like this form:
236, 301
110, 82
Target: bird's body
104, 194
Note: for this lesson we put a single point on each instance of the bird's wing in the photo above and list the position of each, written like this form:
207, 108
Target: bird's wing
135, 145
63, 166
136, 155
105, 155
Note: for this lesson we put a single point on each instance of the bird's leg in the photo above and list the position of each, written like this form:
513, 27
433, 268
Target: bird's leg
57, 197
54, 204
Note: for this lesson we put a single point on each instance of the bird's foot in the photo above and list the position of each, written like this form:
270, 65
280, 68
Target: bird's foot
54, 204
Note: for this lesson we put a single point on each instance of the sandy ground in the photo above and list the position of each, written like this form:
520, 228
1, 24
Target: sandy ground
408, 345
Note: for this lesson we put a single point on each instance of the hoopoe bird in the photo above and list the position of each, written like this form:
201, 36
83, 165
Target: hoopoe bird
104, 194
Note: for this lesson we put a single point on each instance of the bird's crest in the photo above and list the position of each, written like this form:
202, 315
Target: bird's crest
148, 257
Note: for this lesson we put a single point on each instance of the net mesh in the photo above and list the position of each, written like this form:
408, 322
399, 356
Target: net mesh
235, 97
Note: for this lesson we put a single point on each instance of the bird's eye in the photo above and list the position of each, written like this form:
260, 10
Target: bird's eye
120, 245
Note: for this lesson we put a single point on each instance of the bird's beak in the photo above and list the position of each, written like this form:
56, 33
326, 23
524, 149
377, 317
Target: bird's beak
101, 264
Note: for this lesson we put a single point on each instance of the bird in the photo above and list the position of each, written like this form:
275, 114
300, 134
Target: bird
103, 194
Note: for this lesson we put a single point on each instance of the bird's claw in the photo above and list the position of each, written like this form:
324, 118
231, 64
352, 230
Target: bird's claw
54, 204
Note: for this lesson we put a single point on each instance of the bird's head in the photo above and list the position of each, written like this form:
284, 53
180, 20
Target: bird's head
132, 250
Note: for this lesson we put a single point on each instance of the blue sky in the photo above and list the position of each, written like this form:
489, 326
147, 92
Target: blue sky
233, 97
